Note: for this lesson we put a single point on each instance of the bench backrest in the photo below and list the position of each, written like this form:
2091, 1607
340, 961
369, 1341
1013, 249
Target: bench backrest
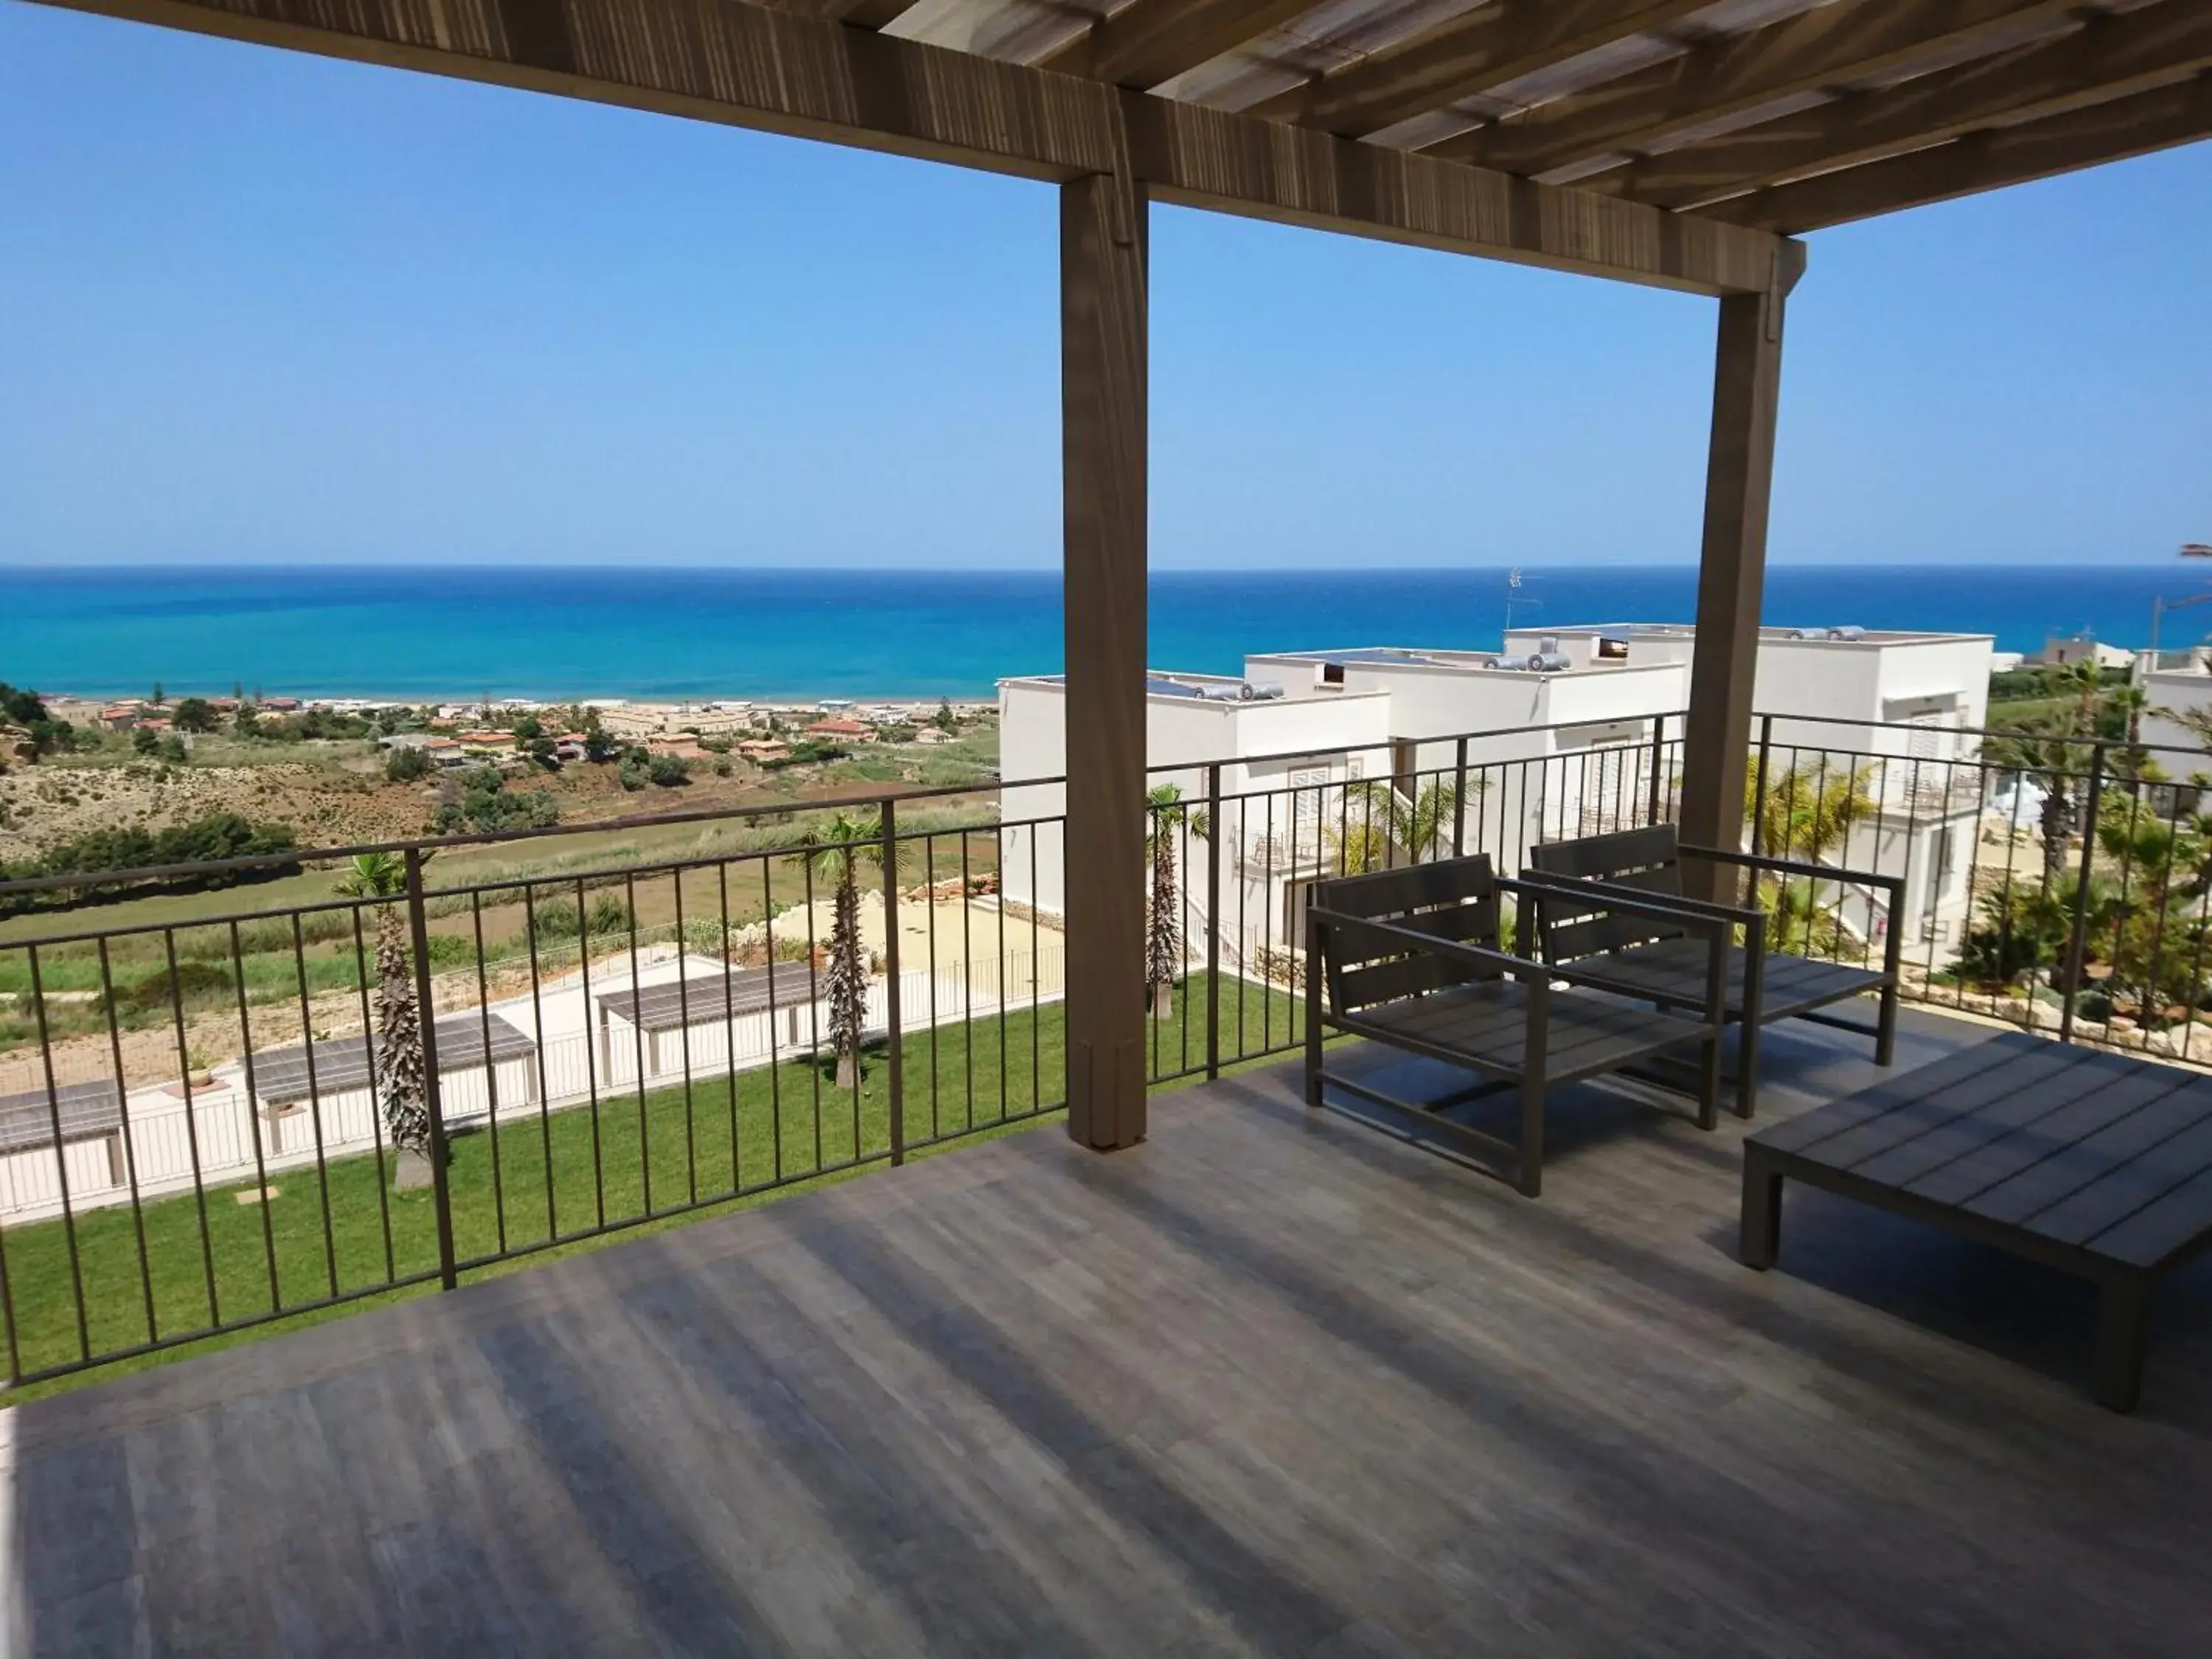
1647, 861
1454, 899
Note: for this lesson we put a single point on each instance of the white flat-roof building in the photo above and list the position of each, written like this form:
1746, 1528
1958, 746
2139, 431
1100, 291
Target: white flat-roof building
1567, 732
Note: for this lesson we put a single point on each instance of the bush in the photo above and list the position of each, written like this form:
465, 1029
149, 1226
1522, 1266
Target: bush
406, 764
554, 919
667, 771
611, 913
634, 772
195, 984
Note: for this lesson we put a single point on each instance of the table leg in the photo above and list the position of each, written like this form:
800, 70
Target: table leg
1761, 1238
2122, 1324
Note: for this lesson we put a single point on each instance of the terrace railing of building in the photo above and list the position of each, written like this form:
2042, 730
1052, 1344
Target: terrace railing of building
194, 1136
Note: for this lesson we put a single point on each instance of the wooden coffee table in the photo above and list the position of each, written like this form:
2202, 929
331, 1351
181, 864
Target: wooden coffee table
2091, 1162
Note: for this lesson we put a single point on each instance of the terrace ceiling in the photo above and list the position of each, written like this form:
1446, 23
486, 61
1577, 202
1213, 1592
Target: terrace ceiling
1782, 115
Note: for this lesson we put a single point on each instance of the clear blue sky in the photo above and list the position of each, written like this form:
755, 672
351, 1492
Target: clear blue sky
256, 305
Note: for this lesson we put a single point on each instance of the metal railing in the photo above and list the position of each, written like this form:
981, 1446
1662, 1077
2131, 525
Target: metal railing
197, 1123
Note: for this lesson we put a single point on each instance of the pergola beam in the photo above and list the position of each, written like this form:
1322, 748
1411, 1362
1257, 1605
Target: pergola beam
1462, 56
1813, 52
1151, 41
743, 65
2105, 57
2109, 131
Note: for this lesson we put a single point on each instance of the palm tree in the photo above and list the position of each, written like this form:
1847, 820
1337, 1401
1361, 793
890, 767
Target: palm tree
2057, 763
401, 1083
1165, 814
1805, 817
839, 850
1422, 825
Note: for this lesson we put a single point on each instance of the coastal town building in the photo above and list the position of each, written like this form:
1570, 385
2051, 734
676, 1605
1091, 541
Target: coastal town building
843, 731
1567, 732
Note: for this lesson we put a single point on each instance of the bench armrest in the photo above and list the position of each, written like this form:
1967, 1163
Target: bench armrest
1894, 885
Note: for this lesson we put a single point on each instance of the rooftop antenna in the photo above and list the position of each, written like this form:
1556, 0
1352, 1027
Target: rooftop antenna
1513, 596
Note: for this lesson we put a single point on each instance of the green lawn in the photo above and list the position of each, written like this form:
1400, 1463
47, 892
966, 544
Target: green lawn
565, 1173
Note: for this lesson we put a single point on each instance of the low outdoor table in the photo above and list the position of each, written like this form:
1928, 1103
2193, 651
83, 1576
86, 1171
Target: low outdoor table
2095, 1163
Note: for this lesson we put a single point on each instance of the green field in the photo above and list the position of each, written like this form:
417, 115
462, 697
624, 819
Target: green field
539, 1180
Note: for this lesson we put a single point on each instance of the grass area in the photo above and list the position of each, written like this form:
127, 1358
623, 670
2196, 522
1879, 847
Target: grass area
542, 1178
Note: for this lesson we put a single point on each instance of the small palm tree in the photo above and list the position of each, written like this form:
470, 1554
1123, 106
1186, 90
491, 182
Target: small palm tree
401, 1083
2057, 763
1422, 825
1164, 815
839, 850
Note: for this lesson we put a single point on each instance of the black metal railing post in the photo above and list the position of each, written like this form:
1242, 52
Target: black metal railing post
442, 1197
1658, 763
893, 1010
1214, 922
1759, 787
1459, 801
2077, 942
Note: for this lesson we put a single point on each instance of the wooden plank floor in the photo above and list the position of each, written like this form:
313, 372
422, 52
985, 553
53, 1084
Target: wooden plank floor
1272, 1384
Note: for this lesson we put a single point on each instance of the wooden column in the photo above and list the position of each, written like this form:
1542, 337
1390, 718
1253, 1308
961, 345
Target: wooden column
1102, 397
1739, 474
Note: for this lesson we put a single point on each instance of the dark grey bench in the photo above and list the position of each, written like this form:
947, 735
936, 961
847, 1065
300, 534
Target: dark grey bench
2095, 1163
1411, 958
1651, 957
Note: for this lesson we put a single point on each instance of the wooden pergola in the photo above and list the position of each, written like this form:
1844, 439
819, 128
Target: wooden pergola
1680, 143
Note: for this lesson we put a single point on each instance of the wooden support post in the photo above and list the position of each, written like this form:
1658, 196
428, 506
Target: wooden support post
1102, 397
1739, 472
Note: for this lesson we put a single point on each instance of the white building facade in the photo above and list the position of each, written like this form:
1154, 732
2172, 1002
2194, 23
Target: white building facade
1328, 758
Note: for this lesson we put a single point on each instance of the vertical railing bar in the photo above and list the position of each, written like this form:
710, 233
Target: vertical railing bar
130, 1149
592, 1031
491, 1078
2078, 937
191, 1128
314, 1101
1459, 800
538, 1026
1036, 982
434, 1088
684, 1042
998, 863
253, 1122
968, 973
729, 1022
637, 1046
775, 1062
1213, 837
894, 1003
929, 883
814, 1007
361, 960
61, 1148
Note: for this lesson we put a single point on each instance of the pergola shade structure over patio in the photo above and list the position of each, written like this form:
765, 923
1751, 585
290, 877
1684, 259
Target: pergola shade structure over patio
1662, 141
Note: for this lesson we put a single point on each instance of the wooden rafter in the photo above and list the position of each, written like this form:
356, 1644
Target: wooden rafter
861, 13
1462, 56
738, 64
1150, 41
2105, 57
2133, 126
1817, 50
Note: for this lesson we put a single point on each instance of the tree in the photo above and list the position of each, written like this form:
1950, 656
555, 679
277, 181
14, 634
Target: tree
946, 719
401, 1083
2057, 763
157, 699
839, 851
667, 771
1422, 825
1165, 814
1805, 816
406, 763
144, 740
242, 722
600, 746
195, 715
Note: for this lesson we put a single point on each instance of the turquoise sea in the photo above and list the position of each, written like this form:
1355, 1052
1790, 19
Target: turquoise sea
637, 631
